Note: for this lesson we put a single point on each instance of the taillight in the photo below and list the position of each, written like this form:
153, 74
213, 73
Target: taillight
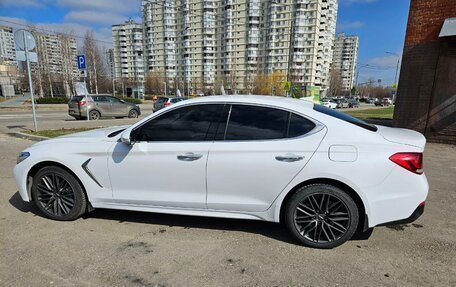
166, 104
81, 103
412, 161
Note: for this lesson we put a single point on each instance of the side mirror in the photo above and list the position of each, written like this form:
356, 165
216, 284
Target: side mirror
125, 137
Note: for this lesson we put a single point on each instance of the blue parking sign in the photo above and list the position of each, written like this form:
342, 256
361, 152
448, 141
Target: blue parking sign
81, 62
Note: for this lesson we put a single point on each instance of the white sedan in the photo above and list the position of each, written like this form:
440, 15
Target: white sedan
323, 174
329, 104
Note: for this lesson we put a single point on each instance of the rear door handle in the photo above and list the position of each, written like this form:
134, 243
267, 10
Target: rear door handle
189, 156
289, 157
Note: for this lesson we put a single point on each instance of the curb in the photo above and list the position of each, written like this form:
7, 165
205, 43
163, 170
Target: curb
27, 136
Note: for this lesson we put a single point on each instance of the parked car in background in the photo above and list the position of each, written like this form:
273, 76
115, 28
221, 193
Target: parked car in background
329, 103
383, 102
353, 103
342, 103
163, 102
390, 102
321, 173
101, 106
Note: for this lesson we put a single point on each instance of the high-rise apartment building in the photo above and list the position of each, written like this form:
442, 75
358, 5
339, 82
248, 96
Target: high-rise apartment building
56, 54
128, 49
7, 46
345, 59
199, 44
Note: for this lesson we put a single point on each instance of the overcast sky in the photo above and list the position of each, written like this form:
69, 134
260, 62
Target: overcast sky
380, 24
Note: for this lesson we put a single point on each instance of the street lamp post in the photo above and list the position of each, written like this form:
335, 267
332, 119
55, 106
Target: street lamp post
397, 70
397, 65
357, 76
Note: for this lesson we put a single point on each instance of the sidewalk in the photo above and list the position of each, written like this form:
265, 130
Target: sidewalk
14, 102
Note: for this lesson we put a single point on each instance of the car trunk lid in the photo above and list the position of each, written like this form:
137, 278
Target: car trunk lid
402, 136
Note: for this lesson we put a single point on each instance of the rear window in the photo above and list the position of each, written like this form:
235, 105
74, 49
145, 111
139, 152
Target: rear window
77, 98
162, 100
344, 117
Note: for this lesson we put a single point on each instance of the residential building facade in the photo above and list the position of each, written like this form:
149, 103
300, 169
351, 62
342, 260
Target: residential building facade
345, 59
56, 68
56, 54
7, 46
199, 45
128, 49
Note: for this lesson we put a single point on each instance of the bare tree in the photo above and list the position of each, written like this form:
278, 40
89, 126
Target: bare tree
95, 64
269, 84
68, 53
154, 84
335, 82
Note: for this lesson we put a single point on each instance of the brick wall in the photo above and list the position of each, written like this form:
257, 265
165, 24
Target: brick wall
426, 94
426, 18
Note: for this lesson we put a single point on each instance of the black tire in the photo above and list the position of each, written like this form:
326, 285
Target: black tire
58, 194
310, 216
133, 114
94, 115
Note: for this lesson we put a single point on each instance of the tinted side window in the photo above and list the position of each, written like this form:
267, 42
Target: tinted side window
299, 126
256, 123
100, 99
190, 123
113, 100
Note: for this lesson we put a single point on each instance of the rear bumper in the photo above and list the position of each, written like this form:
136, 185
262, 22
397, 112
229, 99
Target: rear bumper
397, 198
415, 215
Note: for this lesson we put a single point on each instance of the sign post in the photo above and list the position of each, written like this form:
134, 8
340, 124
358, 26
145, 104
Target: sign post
25, 40
83, 67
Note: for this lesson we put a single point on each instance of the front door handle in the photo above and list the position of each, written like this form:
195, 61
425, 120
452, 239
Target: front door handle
189, 156
289, 157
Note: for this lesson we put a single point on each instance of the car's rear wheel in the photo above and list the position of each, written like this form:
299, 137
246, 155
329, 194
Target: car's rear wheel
133, 114
321, 216
58, 194
94, 115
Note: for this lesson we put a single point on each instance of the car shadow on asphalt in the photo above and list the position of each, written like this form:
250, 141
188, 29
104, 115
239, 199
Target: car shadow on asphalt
272, 230
23, 206
268, 229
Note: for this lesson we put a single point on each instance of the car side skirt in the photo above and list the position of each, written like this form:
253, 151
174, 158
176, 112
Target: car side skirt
263, 216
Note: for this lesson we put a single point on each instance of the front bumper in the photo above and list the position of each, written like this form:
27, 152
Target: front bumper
20, 175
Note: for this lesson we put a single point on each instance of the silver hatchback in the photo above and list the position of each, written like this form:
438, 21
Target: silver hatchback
101, 106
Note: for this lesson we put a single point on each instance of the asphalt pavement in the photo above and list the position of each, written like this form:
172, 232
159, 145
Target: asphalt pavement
122, 248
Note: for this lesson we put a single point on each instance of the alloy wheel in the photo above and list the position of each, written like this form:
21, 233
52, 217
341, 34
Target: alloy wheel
321, 218
94, 115
55, 194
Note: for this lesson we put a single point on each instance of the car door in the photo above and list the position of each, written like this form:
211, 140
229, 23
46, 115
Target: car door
103, 105
263, 149
166, 165
118, 107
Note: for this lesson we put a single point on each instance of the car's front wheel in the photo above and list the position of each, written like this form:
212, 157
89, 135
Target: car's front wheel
58, 194
321, 216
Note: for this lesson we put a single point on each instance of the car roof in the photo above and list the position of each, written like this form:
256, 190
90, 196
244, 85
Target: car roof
255, 99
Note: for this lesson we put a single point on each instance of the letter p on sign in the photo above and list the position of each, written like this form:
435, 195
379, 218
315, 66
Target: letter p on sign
81, 62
